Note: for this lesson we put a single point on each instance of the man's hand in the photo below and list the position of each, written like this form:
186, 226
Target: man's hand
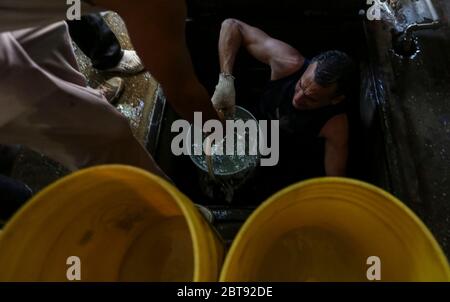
224, 98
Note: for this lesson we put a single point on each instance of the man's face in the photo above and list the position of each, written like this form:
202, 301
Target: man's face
310, 95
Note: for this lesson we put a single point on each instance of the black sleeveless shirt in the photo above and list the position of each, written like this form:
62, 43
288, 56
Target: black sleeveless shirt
301, 148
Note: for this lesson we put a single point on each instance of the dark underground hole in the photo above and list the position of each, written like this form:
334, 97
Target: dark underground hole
310, 33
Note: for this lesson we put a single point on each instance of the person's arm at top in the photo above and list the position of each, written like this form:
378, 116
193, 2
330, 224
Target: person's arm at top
234, 34
157, 30
281, 57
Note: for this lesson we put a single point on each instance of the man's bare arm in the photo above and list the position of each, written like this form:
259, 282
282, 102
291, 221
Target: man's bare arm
282, 58
157, 29
335, 133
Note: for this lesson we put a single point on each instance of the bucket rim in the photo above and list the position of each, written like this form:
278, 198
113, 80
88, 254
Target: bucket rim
246, 227
180, 200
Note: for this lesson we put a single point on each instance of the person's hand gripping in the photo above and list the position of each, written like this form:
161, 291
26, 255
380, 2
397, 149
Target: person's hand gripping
224, 98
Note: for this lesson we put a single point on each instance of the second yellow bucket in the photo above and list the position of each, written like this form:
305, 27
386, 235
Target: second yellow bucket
327, 230
122, 223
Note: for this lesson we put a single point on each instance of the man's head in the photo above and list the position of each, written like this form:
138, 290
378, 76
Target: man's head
325, 82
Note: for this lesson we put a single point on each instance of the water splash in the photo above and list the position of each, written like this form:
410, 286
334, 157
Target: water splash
230, 171
228, 164
401, 14
132, 112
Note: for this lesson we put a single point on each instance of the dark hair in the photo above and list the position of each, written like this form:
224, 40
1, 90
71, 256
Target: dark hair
334, 67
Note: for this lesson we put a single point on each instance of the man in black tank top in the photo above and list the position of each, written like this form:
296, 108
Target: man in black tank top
306, 96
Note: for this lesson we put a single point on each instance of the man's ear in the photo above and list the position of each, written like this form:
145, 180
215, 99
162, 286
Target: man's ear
338, 99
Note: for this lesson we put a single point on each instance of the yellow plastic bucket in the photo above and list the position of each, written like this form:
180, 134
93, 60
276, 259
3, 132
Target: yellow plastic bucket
122, 223
326, 230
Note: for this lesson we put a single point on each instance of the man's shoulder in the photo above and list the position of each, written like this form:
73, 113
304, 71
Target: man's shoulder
288, 67
336, 128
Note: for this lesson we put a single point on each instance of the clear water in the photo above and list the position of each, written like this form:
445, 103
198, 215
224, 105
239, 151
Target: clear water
230, 164
400, 14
